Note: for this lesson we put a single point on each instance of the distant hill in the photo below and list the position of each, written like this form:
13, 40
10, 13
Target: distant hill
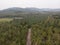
21, 9
18, 11
29, 9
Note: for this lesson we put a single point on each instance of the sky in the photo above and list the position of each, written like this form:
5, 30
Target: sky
30, 3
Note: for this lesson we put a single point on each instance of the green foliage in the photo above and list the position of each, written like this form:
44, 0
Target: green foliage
13, 33
47, 33
45, 30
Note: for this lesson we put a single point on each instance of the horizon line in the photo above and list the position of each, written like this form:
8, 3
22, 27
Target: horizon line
29, 7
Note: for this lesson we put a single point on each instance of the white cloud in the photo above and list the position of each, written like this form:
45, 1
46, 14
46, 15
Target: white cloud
30, 3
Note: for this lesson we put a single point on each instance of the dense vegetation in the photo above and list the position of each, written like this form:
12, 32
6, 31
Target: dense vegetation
45, 29
46, 32
13, 33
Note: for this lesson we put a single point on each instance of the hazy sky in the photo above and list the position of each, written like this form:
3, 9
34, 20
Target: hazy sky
29, 3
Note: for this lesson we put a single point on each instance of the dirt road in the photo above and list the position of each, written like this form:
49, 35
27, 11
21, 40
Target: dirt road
28, 37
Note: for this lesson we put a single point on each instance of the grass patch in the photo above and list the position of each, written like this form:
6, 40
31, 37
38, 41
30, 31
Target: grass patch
6, 19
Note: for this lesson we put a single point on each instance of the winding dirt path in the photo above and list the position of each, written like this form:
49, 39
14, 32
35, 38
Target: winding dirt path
28, 37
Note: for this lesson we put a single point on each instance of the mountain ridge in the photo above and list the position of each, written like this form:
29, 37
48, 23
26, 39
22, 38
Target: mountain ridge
29, 9
15, 10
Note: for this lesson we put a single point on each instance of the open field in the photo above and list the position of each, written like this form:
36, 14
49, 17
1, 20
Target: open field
6, 19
